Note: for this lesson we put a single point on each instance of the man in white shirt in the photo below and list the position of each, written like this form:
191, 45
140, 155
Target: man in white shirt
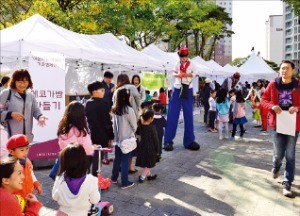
182, 96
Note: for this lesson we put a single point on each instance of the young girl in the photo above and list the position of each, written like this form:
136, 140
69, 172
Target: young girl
73, 128
148, 147
159, 123
124, 126
11, 178
239, 114
74, 190
255, 104
212, 111
223, 106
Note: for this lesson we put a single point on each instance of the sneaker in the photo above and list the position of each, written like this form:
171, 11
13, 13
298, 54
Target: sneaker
151, 177
275, 172
193, 146
168, 147
129, 185
141, 180
114, 182
263, 131
287, 189
220, 138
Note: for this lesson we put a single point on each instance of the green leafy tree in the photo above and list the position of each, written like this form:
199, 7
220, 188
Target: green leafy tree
295, 4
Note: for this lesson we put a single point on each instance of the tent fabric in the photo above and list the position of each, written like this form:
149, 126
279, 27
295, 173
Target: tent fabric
38, 34
230, 68
256, 67
170, 59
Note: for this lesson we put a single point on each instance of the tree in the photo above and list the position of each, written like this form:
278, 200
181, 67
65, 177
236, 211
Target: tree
295, 4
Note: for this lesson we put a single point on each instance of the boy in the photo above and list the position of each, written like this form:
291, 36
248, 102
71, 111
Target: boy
98, 118
160, 123
18, 147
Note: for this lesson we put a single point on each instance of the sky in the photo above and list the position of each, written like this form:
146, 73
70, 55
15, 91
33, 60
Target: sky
249, 25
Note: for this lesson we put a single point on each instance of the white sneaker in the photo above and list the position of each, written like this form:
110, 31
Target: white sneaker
286, 191
220, 138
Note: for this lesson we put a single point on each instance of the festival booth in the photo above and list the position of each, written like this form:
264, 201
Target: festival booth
50, 51
256, 68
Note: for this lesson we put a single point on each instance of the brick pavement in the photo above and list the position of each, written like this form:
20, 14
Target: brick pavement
224, 178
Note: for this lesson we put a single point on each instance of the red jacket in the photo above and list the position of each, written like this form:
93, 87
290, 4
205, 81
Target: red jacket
270, 99
9, 205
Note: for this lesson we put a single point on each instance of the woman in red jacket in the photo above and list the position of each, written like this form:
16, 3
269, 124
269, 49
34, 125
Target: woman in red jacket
283, 94
11, 175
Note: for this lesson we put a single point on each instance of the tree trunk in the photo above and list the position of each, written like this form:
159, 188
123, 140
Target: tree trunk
202, 45
196, 40
210, 49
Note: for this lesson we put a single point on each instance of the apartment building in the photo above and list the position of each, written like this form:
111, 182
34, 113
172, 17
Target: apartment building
291, 35
223, 49
274, 38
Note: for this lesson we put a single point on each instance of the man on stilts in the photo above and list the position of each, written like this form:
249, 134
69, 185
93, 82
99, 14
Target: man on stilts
182, 96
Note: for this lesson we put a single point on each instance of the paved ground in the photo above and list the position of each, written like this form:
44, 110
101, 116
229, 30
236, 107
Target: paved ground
224, 178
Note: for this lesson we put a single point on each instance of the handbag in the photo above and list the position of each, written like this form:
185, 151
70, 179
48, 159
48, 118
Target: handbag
128, 145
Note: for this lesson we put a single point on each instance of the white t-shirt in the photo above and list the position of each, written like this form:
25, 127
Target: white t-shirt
212, 104
185, 80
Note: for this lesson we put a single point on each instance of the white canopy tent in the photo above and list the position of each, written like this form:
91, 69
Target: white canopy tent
38, 34
256, 68
230, 68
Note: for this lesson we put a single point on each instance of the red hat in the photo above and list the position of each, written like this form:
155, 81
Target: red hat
17, 141
236, 75
183, 52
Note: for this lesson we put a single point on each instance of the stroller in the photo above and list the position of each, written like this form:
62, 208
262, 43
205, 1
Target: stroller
102, 208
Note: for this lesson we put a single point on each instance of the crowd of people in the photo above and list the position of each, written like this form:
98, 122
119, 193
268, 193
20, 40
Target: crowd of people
121, 117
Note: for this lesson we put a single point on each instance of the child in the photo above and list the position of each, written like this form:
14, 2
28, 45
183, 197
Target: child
97, 113
73, 128
148, 145
255, 105
223, 112
124, 126
160, 123
18, 147
239, 114
232, 99
212, 111
3, 141
74, 190
11, 178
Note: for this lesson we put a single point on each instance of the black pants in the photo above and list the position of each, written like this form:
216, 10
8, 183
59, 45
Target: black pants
206, 108
234, 130
212, 118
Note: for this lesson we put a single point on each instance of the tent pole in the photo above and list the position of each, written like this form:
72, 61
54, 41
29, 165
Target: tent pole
20, 53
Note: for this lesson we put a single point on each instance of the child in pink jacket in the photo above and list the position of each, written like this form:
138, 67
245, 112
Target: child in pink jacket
73, 129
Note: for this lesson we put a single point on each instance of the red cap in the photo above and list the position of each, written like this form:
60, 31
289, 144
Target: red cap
183, 51
236, 75
17, 141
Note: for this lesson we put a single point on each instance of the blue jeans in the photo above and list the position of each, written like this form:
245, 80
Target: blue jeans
121, 158
285, 145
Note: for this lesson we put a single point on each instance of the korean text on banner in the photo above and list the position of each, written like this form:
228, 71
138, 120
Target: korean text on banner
47, 72
153, 81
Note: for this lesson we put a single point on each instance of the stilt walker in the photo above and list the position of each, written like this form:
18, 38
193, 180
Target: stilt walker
182, 96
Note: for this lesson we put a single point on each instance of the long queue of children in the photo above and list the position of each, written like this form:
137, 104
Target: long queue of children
76, 185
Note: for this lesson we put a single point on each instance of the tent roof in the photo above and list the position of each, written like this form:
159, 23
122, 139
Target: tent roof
255, 66
170, 59
230, 68
38, 34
